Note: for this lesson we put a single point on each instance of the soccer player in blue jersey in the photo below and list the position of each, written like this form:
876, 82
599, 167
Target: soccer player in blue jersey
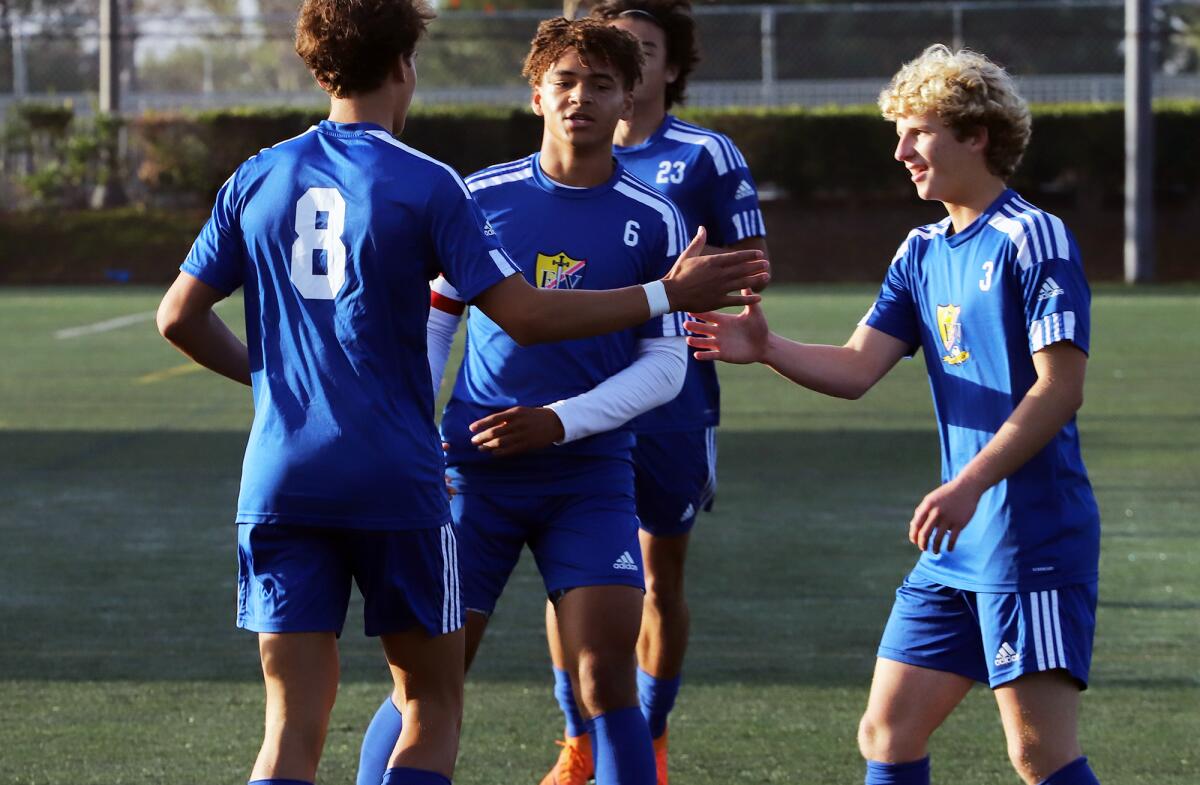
334, 236
537, 451
1004, 592
705, 175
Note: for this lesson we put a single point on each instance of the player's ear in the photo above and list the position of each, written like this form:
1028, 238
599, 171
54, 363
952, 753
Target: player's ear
535, 102
401, 68
627, 106
671, 73
977, 138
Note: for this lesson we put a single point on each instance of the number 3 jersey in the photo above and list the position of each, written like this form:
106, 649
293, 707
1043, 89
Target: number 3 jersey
334, 235
620, 233
979, 304
705, 175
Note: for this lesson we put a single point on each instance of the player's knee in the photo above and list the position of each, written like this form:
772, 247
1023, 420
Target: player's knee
606, 681
1035, 758
664, 593
882, 739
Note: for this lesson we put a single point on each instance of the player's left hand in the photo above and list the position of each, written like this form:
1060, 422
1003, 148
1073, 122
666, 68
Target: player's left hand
517, 430
944, 511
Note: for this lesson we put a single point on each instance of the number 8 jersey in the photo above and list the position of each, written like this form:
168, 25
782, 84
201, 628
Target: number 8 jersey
334, 235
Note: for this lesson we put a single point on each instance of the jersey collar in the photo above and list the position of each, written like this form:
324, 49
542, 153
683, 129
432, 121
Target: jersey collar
571, 192
349, 129
955, 240
654, 138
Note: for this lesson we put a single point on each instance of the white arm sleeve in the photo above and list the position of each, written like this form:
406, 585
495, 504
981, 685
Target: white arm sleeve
439, 332
652, 379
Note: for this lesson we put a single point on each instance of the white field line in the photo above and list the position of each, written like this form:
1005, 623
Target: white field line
104, 326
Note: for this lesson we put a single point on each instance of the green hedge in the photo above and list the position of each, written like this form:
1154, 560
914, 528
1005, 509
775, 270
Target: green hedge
1077, 150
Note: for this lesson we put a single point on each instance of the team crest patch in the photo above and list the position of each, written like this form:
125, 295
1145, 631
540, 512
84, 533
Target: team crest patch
559, 271
950, 329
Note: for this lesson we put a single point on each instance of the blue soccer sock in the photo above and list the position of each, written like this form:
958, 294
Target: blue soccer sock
379, 742
622, 748
402, 775
1077, 772
913, 773
279, 782
657, 697
566, 701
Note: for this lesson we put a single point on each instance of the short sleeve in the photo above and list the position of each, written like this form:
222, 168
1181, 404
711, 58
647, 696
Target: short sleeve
661, 256
468, 251
894, 311
216, 257
1057, 302
735, 200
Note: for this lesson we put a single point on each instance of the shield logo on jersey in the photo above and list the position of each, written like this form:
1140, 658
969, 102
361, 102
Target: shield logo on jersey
950, 329
559, 271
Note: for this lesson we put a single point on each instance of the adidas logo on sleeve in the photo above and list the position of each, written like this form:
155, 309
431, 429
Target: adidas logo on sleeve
1050, 289
744, 190
625, 562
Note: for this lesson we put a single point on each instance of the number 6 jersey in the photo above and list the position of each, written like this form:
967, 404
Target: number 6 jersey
335, 235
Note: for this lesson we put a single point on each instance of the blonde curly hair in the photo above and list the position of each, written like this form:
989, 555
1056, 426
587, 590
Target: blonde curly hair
967, 91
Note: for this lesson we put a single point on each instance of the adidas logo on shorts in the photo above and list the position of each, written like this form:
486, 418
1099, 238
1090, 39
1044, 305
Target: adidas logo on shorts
1006, 655
625, 562
744, 190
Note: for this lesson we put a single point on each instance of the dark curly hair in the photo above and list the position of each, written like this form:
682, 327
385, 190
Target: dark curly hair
674, 18
349, 45
592, 40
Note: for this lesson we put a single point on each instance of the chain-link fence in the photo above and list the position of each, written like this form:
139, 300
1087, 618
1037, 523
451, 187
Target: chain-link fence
753, 55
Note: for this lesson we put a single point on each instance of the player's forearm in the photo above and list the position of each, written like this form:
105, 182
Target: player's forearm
830, 370
209, 341
1042, 413
560, 315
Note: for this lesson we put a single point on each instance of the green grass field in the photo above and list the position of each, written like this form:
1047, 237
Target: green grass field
119, 661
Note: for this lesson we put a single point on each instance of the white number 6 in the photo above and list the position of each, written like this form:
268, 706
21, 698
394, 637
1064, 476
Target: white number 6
311, 238
631, 235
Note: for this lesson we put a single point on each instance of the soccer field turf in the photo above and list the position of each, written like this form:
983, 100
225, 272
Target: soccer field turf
119, 662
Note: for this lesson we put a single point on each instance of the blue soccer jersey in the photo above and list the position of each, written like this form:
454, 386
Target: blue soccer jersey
621, 233
705, 174
335, 235
980, 303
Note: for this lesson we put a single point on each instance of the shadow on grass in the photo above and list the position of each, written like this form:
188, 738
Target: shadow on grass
119, 561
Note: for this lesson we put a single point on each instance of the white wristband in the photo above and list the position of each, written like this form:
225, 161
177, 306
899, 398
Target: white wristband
656, 297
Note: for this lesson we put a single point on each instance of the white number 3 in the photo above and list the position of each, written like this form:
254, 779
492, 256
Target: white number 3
986, 282
312, 238
631, 235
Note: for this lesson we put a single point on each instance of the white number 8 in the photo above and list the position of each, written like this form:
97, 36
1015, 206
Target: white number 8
310, 238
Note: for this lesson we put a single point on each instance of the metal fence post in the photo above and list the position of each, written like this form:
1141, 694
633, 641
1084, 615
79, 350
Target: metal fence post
956, 16
1139, 144
110, 56
20, 69
767, 32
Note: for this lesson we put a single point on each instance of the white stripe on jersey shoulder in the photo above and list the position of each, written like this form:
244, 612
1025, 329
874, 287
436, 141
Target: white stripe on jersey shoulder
927, 232
501, 173
1054, 230
640, 192
708, 140
1037, 236
732, 153
384, 136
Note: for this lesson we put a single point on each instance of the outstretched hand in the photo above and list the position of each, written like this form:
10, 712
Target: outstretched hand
733, 338
517, 430
704, 283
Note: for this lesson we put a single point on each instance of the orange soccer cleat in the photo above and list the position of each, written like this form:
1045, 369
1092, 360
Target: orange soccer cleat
574, 765
660, 758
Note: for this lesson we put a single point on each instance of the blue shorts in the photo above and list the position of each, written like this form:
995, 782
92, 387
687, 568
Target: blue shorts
675, 476
577, 540
297, 578
992, 638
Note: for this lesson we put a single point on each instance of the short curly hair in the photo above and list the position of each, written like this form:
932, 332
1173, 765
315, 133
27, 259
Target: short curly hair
967, 91
592, 40
674, 18
349, 45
